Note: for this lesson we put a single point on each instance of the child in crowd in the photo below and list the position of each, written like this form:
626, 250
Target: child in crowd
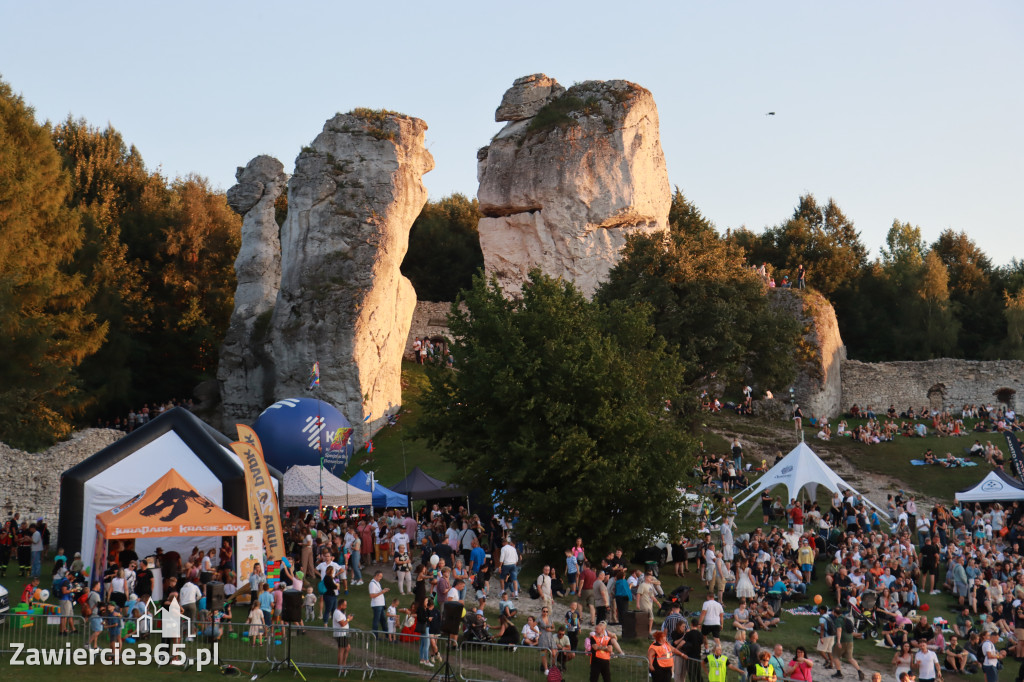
308, 603
392, 624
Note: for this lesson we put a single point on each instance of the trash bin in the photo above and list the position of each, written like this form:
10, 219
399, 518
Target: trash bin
635, 625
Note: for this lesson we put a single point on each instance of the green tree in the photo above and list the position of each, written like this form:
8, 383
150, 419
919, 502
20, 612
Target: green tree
975, 294
44, 324
708, 304
444, 248
558, 409
822, 239
107, 179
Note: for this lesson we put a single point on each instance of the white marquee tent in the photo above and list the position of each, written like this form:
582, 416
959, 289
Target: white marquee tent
302, 489
995, 487
802, 470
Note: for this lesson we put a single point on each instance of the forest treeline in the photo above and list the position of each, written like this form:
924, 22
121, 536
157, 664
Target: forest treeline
117, 283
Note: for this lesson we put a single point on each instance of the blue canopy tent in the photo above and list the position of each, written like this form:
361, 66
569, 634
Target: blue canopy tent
382, 497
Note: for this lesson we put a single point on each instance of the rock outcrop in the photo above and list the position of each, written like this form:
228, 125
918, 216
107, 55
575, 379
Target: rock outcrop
245, 372
818, 387
343, 301
571, 174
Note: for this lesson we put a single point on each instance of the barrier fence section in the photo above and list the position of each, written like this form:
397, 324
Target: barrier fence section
315, 647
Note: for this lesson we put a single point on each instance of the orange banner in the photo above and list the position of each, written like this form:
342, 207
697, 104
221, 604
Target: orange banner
264, 511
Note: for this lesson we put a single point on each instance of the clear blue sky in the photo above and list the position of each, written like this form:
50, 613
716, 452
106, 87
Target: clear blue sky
908, 110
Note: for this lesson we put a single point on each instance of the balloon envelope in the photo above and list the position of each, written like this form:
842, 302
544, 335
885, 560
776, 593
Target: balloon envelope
294, 430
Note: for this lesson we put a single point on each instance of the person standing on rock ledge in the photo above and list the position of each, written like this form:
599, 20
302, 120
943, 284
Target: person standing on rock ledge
800, 277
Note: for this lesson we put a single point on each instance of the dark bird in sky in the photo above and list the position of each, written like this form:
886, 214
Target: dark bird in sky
770, 113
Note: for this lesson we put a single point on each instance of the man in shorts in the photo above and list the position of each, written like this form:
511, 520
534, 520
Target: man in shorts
587, 579
844, 639
341, 622
826, 635
711, 614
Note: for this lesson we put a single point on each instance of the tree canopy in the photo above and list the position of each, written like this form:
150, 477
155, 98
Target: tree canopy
44, 323
706, 302
444, 248
557, 408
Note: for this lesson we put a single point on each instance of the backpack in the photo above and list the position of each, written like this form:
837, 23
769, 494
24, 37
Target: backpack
828, 627
86, 609
534, 592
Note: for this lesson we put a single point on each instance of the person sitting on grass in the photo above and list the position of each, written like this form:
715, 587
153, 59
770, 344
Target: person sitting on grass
741, 617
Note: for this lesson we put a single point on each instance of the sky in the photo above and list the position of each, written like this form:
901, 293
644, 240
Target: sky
898, 110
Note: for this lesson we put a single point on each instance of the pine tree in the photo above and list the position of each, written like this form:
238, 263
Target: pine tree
45, 328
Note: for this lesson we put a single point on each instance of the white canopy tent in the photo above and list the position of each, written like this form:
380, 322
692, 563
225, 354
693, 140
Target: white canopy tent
302, 489
995, 487
802, 470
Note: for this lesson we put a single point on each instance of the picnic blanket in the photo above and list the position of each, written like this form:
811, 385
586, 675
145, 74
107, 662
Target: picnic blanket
802, 611
959, 463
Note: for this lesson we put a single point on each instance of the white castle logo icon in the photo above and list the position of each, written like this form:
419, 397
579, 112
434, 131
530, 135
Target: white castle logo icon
171, 622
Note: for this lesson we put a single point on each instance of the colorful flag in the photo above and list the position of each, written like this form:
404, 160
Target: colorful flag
314, 376
369, 446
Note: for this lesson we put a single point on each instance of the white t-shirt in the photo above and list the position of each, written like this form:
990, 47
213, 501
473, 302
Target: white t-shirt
379, 599
713, 612
509, 555
37, 542
986, 647
340, 622
400, 538
322, 568
927, 661
453, 594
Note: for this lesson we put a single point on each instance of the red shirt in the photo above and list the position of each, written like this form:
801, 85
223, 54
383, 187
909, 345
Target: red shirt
589, 578
797, 514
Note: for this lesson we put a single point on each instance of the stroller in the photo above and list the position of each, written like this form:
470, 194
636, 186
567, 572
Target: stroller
680, 596
865, 618
474, 628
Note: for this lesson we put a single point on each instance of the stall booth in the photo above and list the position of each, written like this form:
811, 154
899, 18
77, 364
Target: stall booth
170, 507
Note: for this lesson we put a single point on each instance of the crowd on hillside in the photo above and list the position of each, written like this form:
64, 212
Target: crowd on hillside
138, 417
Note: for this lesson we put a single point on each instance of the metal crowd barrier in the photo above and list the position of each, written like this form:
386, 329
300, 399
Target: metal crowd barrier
315, 647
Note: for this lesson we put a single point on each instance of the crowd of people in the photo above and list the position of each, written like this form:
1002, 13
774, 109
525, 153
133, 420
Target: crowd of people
141, 416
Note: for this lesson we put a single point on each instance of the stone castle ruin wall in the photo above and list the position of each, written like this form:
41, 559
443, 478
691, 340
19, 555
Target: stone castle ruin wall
934, 384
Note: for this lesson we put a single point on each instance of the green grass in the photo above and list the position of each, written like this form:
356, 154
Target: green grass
395, 451
890, 459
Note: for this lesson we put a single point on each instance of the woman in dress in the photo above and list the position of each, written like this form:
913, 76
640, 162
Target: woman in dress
546, 640
744, 585
902, 661
679, 556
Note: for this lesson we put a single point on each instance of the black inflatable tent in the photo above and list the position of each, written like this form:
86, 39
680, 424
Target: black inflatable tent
176, 439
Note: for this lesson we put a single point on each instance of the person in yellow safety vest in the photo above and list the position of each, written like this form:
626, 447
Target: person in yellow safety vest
601, 646
659, 658
763, 670
716, 665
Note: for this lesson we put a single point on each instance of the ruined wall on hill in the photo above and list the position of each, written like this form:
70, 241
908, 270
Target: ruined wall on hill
31, 480
931, 383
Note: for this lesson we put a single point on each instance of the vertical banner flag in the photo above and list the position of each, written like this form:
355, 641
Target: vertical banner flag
264, 512
314, 376
1016, 456
249, 552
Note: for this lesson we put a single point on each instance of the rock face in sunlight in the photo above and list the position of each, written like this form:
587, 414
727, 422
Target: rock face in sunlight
329, 290
343, 300
245, 372
568, 178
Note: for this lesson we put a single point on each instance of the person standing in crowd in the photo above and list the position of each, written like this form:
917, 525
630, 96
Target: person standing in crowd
341, 620
711, 614
601, 653
660, 657
377, 601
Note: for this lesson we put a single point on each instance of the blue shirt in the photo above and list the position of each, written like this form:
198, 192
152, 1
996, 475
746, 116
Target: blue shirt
571, 565
266, 601
477, 557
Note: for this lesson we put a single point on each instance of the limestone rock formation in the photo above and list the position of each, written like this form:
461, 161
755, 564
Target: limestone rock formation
343, 301
245, 372
568, 178
526, 97
818, 387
